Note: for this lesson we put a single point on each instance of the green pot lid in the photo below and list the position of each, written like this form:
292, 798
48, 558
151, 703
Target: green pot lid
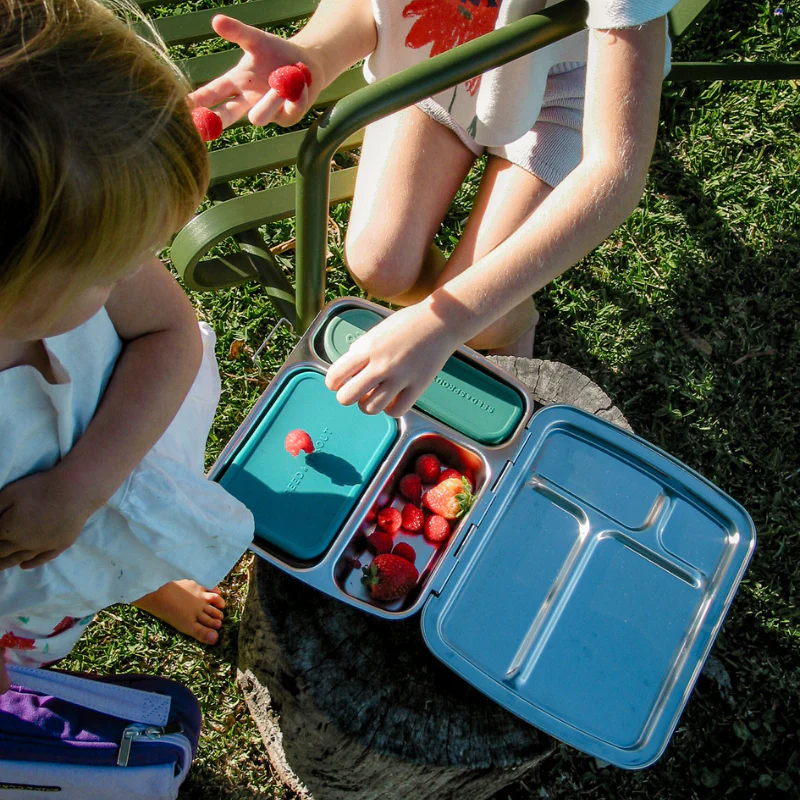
463, 396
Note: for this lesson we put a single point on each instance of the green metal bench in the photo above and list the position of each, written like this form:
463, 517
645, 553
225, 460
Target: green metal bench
351, 105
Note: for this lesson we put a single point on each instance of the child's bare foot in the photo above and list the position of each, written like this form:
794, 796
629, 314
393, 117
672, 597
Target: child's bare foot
187, 606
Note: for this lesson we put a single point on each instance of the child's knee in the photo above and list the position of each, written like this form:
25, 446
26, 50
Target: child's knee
384, 269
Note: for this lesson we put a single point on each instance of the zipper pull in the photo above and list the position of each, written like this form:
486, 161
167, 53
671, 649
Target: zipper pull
130, 734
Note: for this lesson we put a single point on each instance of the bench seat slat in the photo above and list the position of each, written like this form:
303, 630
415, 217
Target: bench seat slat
239, 214
196, 25
264, 155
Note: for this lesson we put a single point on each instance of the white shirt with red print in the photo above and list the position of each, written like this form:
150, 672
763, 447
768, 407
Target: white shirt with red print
502, 105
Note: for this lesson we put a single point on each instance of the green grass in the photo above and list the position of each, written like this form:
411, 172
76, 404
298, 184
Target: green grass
688, 318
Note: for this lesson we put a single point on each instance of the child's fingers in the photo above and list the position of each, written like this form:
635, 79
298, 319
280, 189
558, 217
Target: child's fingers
17, 558
247, 37
355, 388
214, 92
266, 109
232, 110
37, 561
380, 397
291, 113
402, 402
350, 364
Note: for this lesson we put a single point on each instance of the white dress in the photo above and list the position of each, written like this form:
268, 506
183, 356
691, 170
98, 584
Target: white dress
166, 522
502, 105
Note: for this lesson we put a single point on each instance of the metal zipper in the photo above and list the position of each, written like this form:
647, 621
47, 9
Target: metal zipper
150, 732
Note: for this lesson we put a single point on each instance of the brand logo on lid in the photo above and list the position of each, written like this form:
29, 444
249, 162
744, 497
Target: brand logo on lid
457, 390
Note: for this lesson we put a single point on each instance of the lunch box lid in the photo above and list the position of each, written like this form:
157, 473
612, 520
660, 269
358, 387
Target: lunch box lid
588, 593
462, 396
300, 502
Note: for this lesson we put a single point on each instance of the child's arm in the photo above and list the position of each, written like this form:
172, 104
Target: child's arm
340, 33
41, 515
397, 359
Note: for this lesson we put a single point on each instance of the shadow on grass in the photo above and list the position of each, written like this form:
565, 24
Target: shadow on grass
708, 370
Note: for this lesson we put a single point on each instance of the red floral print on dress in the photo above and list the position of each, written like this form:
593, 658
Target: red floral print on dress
64, 625
13, 642
445, 24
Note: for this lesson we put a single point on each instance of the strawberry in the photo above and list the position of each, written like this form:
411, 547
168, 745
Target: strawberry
437, 529
389, 577
411, 488
450, 498
372, 514
306, 72
380, 542
413, 518
405, 550
298, 440
454, 473
208, 124
428, 467
288, 82
14, 642
389, 519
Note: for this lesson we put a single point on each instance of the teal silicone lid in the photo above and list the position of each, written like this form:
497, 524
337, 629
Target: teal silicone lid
299, 503
462, 396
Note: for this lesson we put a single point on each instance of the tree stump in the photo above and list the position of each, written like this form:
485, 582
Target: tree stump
354, 707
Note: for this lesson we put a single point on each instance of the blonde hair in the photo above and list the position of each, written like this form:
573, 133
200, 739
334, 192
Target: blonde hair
99, 159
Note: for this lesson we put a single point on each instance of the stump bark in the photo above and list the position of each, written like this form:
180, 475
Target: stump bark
353, 707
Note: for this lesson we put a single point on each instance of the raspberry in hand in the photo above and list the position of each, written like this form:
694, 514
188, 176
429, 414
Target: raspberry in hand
208, 124
289, 81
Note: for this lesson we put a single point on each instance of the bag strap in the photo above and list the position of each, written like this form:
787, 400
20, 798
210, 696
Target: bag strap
133, 705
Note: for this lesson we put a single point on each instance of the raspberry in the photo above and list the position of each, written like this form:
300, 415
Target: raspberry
411, 488
437, 529
412, 517
379, 542
405, 550
208, 124
298, 440
306, 72
389, 519
428, 467
288, 82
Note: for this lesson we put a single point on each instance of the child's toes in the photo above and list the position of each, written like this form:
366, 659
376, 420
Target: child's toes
209, 621
213, 612
204, 634
213, 597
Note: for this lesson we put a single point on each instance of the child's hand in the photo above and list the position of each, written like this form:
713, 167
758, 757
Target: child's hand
391, 365
245, 88
40, 517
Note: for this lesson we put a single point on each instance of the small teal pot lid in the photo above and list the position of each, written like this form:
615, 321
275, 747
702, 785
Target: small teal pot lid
587, 599
462, 396
300, 502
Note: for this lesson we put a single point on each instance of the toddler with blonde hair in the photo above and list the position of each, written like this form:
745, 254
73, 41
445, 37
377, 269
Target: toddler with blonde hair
108, 385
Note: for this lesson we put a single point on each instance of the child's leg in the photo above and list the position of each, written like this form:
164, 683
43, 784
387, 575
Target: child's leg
507, 196
410, 169
188, 607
